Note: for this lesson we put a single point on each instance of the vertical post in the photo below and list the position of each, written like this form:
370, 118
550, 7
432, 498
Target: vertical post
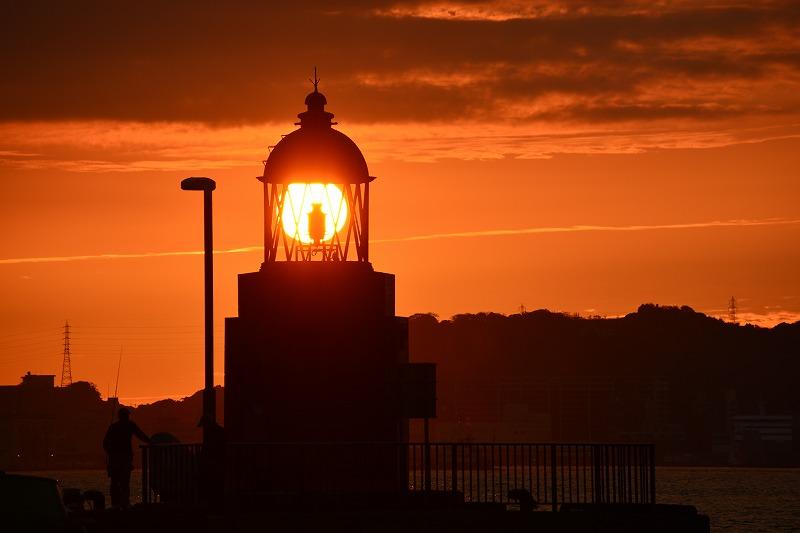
453, 467
209, 401
208, 419
553, 478
268, 214
597, 491
652, 467
365, 222
427, 458
145, 476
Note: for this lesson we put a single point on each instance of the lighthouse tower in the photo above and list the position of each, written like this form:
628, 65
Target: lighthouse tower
315, 357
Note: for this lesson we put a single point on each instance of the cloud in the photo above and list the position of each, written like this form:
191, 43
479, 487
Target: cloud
502, 10
428, 237
767, 319
123, 147
393, 62
141, 255
16, 153
573, 229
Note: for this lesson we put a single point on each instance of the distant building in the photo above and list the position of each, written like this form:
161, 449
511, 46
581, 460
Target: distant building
36, 382
763, 440
768, 428
27, 419
44, 426
576, 409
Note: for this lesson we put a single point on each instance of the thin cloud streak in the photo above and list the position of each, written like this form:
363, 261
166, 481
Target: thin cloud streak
106, 147
68, 258
584, 228
429, 237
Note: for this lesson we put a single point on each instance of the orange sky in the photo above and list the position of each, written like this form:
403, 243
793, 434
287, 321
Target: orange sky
577, 156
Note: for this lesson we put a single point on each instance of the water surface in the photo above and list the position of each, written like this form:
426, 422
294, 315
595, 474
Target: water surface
736, 499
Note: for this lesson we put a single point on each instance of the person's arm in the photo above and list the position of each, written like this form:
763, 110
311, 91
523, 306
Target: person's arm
141, 435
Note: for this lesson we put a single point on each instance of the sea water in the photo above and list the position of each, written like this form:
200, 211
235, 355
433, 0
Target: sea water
736, 499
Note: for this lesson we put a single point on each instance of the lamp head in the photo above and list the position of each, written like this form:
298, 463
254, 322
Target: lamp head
198, 184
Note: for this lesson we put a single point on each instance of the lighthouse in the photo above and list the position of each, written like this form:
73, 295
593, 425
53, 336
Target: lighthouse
315, 358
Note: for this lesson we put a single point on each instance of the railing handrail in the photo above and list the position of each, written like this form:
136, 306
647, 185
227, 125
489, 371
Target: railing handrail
431, 443
169, 444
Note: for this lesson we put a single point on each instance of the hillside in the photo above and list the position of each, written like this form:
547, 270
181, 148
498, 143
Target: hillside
664, 374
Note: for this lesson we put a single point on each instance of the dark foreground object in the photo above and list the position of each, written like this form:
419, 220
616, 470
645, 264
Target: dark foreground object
477, 519
29, 503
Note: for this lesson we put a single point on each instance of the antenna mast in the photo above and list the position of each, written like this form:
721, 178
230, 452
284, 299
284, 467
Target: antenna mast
732, 311
315, 81
66, 363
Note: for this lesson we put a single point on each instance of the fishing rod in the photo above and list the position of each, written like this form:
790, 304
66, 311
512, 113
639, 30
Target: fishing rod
116, 387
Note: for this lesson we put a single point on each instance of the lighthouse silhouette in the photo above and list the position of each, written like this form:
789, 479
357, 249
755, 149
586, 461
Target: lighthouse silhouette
315, 359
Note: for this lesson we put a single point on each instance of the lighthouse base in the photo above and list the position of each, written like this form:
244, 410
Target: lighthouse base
315, 357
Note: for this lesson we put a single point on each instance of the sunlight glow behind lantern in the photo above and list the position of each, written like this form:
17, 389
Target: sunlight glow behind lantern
298, 203
316, 193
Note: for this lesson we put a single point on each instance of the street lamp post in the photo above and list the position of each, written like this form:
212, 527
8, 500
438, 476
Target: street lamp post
207, 185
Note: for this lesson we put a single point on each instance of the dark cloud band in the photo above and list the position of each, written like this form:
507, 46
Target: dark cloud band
384, 62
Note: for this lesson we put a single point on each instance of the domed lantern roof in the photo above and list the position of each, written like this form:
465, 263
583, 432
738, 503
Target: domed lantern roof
316, 152
316, 193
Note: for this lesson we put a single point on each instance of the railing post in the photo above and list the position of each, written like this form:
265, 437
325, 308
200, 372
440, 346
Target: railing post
427, 458
652, 468
454, 467
597, 483
302, 468
145, 472
553, 478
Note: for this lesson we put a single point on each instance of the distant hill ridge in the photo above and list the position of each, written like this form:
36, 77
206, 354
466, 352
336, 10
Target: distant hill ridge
655, 340
673, 342
662, 374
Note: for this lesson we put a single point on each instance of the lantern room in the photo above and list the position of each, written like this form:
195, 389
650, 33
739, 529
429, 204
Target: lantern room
316, 192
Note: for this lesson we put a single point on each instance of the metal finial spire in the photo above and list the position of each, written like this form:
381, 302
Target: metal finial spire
315, 102
316, 80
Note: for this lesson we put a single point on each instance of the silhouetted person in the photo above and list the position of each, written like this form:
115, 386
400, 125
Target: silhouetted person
119, 452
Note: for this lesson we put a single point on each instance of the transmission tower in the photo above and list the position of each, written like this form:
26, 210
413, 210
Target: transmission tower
732, 311
66, 364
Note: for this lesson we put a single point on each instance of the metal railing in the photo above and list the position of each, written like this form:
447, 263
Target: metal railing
171, 473
552, 474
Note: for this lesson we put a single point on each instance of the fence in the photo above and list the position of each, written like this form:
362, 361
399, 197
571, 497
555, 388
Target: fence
479, 472
552, 473
171, 473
